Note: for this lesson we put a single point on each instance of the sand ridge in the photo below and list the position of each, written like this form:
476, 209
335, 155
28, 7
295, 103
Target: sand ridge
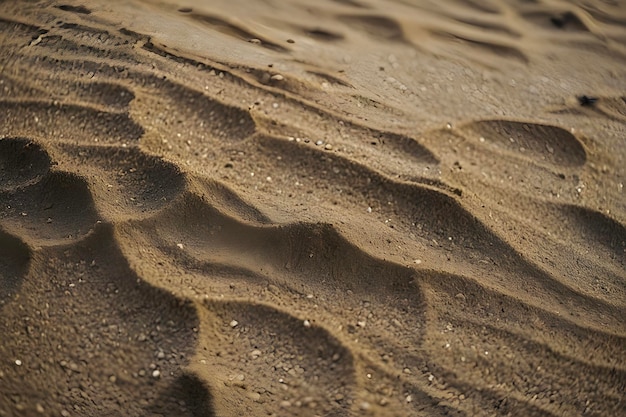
340, 208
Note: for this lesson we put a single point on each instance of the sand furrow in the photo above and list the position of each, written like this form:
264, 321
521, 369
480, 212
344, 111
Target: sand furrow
377, 207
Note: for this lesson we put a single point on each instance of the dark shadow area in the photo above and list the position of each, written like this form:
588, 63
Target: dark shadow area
186, 396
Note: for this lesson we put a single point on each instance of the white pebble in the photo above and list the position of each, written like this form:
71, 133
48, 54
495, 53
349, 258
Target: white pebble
234, 323
156, 373
18, 362
307, 323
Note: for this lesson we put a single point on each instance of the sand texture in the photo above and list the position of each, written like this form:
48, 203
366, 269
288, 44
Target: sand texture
313, 208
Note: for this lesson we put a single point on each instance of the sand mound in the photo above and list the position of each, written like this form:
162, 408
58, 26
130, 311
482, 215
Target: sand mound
336, 208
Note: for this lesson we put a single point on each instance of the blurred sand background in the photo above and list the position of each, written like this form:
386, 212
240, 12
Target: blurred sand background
313, 208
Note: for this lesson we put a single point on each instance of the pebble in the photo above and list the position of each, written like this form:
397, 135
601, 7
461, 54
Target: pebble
156, 373
285, 404
307, 323
180, 245
277, 77
18, 362
328, 147
255, 354
234, 323
40, 409
254, 396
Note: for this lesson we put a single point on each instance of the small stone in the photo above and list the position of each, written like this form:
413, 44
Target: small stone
161, 354
234, 323
277, 77
18, 362
409, 398
460, 296
365, 406
254, 396
361, 323
369, 210
112, 379
407, 371
255, 354
180, 245
307, 323
285, 404
328, 147
65, 413
255, 41
156, 373
319, 143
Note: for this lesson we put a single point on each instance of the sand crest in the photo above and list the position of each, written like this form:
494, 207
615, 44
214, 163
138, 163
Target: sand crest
295, 208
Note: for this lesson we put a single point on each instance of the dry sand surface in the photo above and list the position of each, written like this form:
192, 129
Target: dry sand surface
313, 208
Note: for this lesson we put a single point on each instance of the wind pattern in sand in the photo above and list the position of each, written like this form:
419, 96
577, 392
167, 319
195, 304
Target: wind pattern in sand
332, 208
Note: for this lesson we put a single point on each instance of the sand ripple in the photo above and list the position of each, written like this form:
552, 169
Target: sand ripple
343, 208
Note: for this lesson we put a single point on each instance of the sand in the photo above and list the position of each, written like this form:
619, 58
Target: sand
298, 208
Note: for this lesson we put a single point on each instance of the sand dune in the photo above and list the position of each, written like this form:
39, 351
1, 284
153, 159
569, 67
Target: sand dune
334, 208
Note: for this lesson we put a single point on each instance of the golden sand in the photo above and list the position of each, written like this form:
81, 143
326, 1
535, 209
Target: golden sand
312, 208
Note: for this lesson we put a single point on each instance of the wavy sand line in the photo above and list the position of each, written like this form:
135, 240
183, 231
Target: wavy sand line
182, 234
